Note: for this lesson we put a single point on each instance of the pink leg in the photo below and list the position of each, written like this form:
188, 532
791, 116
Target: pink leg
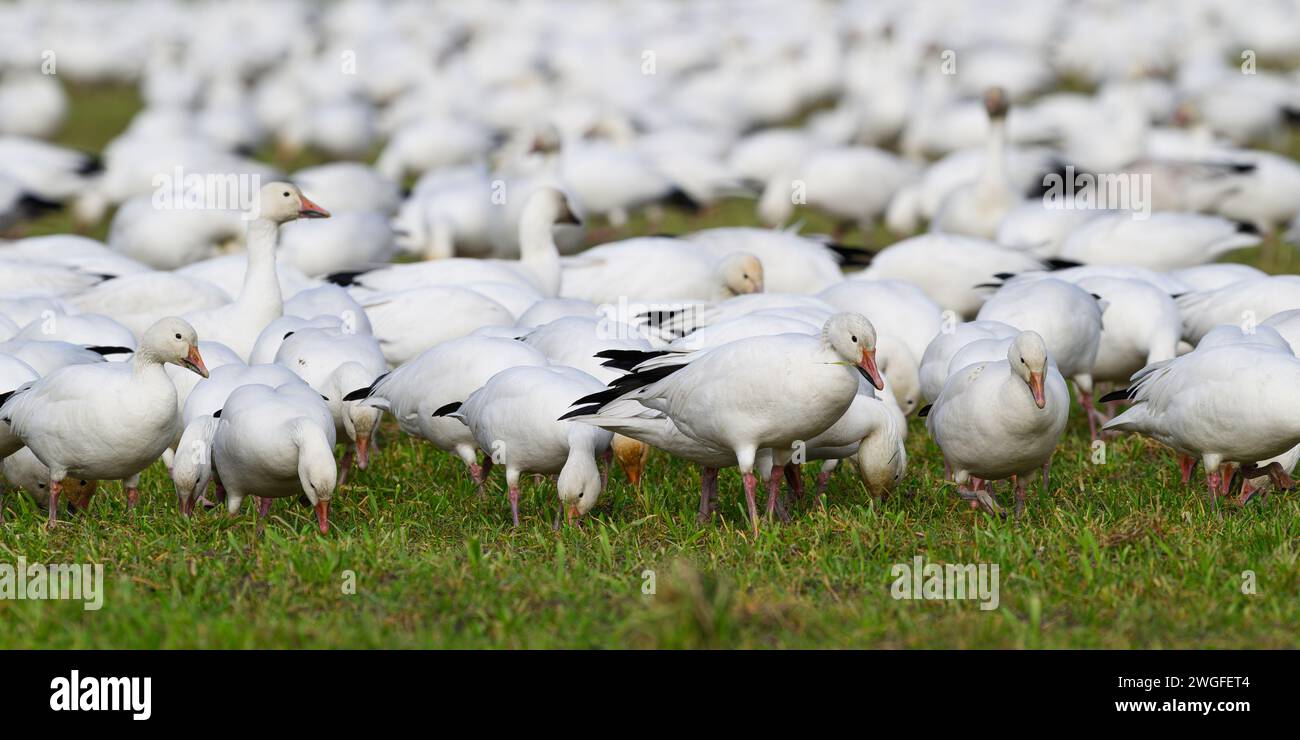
1186, 465
1212, 481
1019, 484
605, 458
794, 478
708, 488
514, 504
345, 465
773, 488
56, 487
1047, 473
1085, 400
751, 483
263, 507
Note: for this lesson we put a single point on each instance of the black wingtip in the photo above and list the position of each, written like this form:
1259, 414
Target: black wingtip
1247, 228
626, 359
851, 256
581, 411
108, 350
1056, 263
216, 414
925, 410
344, 279
1124, 394
446, 409
361, 393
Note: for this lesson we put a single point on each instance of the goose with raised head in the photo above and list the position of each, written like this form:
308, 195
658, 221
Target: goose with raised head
260, 302
105, 421
977, 208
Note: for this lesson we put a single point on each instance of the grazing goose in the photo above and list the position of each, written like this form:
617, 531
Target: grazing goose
1249, 301
260, 302
105, 421
336, 363
514, 417
403, 321
1161, 241
658, 268
966, 261
791, 263
25, 472
1140, 326
1224, 405
851, 184
276, 443
995, 420
445, 374
14, 374
762, 392
1064, 316
538, 266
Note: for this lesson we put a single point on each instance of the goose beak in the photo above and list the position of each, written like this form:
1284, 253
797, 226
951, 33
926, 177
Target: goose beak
363, 452
323, 516
867, 366
571, 513
1036, 387
311, 210
194, 361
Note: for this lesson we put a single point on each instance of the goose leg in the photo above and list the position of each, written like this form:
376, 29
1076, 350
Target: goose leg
1085, 400
794, 478
605, 458
514, 504
751, 483
824, 477
1212, 480
263, 506
132, 486
345, 465
1018, 482
1047, 473
708, 490
1186, 464
56, 487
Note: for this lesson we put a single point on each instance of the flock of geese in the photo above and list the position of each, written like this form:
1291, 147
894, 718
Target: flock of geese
246, 348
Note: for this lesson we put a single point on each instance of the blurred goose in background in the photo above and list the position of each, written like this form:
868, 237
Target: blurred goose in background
977, 208
658, 268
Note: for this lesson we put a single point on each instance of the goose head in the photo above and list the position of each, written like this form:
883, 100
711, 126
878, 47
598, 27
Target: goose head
631, 455
282, 202
318, 473
741, 273
1028, 358
549, 205
853, 338
172, 340
996, 103
359, 418
578, 484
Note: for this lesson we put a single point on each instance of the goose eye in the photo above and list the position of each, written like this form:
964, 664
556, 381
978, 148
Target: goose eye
286, 194
178, 336
83, 483
580, 495
1022, 361
40, 485
854, 338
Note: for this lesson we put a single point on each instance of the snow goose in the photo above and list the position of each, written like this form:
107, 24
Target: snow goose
999, 419
1287, 323
1033, 227
329, 300
658, 268
269, 341
515, 418
32, 105
1161, 241
948, 267
237, 324
977, 208
51, 172
47, 356
25, 472
72, 251
337, 363
14, 374
1224, 405
105, 421
538, 266
1214, 276
19, 277
1140, 326
400, 320
896, 308
791, 263
351, 240
168, 238
276, 443
1250, 301
137, 301
1065, 317
851, 184
87, 330
445, 374
762, 392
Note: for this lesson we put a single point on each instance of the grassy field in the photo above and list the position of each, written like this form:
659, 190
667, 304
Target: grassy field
1117, 554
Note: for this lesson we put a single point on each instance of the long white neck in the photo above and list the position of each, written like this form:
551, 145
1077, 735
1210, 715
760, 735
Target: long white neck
994, 177
580, 466
537, 250
261, 290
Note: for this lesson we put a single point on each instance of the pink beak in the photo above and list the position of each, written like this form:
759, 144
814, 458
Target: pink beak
307, 209
868, 365
323, 516
1036, 387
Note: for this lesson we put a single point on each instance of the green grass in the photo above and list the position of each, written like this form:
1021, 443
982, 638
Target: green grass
1116, 555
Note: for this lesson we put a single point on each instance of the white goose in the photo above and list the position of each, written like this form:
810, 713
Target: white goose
995, 420
763, 392
1064, 316
276, 443
1225, 405
337, 363
1250, 300
401, 320
1161, 241
105, 421
658, 268
445, 374
515, 417
538, 266
260, 302
14, 374
791, 263
977, 208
